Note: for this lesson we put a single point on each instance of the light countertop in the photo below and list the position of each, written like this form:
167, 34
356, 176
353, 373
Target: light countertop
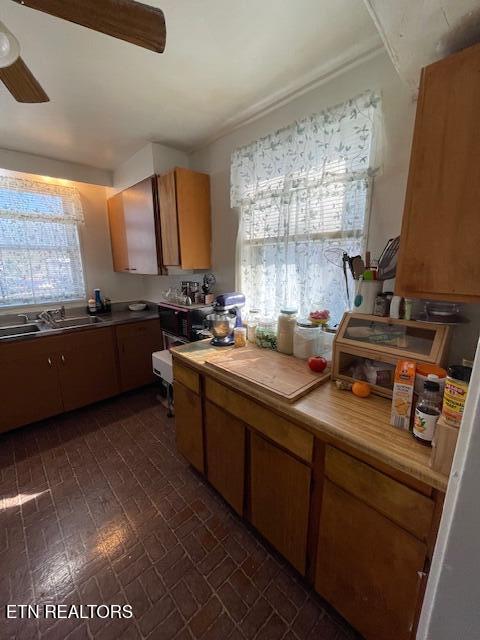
333, 415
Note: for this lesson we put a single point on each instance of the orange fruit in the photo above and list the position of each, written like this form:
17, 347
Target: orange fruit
361, 389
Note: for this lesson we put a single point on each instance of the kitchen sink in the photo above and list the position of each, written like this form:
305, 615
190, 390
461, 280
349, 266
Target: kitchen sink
18, 330
79, 321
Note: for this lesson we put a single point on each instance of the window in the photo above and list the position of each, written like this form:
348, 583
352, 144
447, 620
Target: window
303, 195
40, 258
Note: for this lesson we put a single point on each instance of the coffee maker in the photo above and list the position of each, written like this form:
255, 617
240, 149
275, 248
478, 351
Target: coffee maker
225, 317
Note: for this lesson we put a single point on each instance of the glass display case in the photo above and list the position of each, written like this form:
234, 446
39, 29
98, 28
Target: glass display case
368, 348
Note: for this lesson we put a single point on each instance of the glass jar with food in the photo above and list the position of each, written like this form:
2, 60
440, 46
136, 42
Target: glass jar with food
252, 320
306, 339
286, 323
266, 334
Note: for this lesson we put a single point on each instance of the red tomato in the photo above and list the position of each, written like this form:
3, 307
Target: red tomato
317, 364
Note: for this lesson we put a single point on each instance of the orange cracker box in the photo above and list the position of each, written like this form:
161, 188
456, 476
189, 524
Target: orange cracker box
403, 394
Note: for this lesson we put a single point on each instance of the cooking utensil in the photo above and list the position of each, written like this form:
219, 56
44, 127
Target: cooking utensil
387, 263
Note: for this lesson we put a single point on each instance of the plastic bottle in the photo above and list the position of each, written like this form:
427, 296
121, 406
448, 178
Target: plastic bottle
427, 412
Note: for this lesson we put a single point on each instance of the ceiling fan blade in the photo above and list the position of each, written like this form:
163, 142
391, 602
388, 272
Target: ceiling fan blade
128, 20
21, 83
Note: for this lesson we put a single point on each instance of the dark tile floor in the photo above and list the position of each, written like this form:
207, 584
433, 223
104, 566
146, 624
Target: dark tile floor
96, 507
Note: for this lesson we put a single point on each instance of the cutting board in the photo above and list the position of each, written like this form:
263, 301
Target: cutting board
282, 376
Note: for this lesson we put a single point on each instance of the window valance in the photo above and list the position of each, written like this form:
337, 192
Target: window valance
26, 199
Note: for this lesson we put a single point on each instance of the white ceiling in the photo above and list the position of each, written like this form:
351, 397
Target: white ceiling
416, 33
223, 60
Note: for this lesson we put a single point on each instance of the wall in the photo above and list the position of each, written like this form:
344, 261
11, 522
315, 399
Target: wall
150, 159
96, 249
389, 188
377, 73
39, 165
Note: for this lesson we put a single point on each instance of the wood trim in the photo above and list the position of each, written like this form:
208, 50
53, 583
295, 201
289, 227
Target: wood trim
316, 496
284, 433
168, 219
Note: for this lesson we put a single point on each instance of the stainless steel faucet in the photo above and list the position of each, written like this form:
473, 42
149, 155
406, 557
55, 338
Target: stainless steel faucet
24, 317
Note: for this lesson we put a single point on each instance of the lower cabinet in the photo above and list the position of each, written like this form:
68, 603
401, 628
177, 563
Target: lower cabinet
188, 425
47, 375
225, 444
88, 368
29, 382
280, 499
368, 568
136, 342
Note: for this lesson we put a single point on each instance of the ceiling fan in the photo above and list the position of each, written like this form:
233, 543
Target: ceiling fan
128, 20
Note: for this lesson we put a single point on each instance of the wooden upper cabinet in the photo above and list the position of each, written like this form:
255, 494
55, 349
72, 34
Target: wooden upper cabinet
439, 257
133, 229
163, 221
185, 219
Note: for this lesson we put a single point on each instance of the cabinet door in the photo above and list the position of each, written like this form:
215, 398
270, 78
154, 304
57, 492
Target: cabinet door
194, 218
168, 219
118, 233
88, 370
280, 499
439, 243
136, 342
225, 444
133, 229
29, 382
188, 425
367, 566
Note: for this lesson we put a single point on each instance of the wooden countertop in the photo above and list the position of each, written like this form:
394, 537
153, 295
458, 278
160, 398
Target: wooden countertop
360, 423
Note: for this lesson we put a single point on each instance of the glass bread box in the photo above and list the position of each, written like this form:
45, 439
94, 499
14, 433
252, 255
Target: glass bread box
368, 347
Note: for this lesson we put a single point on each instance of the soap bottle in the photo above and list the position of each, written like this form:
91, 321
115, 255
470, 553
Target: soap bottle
98, 300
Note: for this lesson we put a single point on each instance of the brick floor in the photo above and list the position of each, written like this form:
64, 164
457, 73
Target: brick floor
96, 507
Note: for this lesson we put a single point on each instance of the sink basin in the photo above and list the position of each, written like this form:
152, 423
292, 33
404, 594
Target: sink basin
18, 330
79, 321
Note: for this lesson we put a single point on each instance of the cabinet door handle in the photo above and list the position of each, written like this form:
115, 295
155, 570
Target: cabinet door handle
62, 358
49, 360
126, 268
133, 269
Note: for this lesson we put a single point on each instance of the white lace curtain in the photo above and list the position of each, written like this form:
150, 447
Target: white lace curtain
27, 199
40, 257
303, 192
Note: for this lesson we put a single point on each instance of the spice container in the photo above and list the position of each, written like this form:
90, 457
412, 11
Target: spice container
427, 412
287, 321
265, 334
306, 339
252, 321
240, 337
456, 388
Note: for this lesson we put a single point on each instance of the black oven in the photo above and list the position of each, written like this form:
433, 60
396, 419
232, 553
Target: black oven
181, 322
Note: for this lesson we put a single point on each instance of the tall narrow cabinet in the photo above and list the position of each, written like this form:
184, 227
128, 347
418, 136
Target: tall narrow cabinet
439, 257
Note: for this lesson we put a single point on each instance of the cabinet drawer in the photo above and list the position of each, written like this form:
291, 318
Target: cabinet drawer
274, 427
188, 377
411, 510
138, 328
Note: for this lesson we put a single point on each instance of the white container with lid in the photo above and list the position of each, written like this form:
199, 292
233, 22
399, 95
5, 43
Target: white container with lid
306, 339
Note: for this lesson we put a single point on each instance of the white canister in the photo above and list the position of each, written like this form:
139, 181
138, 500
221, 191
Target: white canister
365, 293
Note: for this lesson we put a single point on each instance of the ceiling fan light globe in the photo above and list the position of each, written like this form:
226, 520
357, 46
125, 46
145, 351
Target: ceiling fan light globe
9, 47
